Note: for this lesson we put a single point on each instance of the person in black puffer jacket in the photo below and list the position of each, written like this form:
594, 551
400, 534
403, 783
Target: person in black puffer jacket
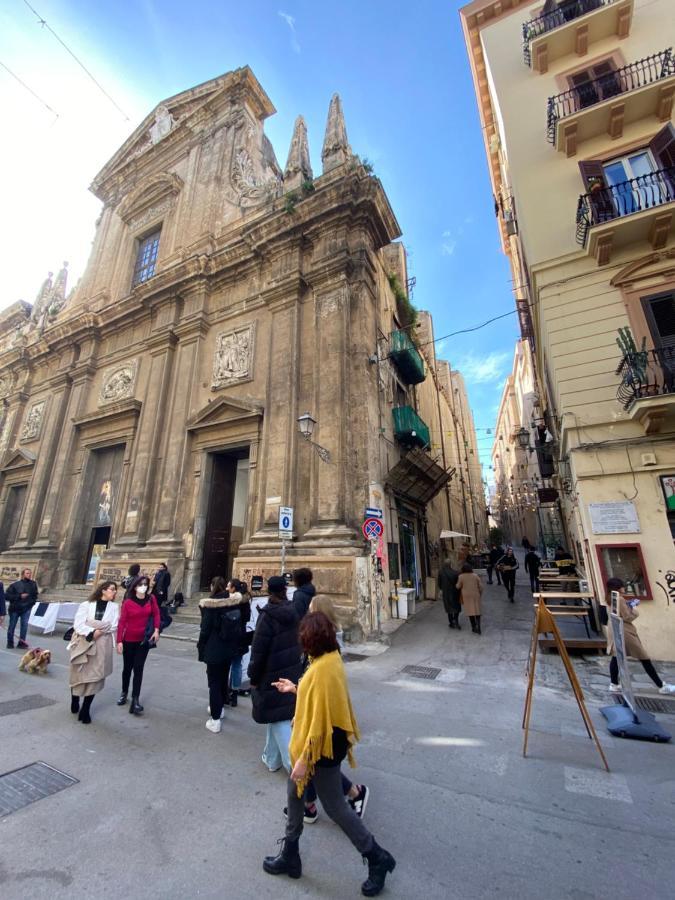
221, 635
304, 591
275, 654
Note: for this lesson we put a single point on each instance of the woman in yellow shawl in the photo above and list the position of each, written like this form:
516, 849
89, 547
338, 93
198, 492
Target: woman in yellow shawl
324, 730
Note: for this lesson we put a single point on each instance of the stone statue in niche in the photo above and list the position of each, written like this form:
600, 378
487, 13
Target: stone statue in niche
33, 424
164, 122
233, 357
118, 383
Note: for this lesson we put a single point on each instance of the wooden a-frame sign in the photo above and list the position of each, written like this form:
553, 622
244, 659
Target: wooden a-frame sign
544, 623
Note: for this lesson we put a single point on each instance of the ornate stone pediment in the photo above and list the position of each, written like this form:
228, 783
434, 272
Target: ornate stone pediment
223, 411
18, 459
153, 196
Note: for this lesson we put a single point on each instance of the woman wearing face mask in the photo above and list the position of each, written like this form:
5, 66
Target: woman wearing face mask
138, 608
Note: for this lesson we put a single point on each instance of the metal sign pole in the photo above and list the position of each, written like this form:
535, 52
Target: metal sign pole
283, 555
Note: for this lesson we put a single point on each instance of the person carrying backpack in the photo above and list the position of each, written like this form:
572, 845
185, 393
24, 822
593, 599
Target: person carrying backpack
222, 632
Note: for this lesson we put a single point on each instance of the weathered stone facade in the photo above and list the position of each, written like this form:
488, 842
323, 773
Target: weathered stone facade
158, 420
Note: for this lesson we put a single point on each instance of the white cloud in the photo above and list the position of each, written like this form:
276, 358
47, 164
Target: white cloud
448, 247
290, 21
483, 369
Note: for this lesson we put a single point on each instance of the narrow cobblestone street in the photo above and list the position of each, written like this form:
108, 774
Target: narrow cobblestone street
163, 802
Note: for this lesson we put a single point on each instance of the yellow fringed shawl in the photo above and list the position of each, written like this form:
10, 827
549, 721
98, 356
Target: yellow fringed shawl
323, 704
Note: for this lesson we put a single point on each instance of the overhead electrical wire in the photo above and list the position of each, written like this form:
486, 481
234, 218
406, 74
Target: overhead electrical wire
29, 89
45, 24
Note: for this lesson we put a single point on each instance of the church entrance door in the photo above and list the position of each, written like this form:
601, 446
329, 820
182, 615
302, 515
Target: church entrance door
216, 558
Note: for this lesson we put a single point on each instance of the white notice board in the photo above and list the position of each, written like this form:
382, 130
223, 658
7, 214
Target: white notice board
618, 517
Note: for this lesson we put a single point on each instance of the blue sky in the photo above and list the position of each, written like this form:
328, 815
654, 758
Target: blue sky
403, 75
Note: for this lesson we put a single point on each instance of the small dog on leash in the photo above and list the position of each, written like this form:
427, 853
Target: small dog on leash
35, 661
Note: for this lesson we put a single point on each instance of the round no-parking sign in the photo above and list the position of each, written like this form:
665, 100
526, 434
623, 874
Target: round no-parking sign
372, 529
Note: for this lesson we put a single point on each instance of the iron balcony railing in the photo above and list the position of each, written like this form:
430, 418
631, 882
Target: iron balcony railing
409, 429
407, 357
646, 373
565, 12
603, 204
629, 78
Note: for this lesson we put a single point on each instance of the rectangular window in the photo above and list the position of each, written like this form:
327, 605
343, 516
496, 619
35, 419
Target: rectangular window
595, 83
146, 258
625, 561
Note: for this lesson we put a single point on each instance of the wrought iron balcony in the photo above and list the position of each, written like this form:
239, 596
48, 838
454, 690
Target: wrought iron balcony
612, 203
573, 107
409, 429
407, 357
566, 11
646, 373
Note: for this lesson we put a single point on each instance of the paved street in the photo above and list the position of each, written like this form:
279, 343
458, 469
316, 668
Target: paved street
164, 809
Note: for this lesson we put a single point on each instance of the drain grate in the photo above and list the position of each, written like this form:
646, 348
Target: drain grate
652, 704
29, 784
23, 704
421, 672
354, 657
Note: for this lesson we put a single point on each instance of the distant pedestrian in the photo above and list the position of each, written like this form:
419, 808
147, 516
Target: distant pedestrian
495, 555
304, 590
526, 544
324, 731
234, 585
91, 647
447, 582
532, 566
133, 572
470, 591
137, 633
508, 565
628, 612
221, 637
275, 654
3, 610
21, 596
162, 581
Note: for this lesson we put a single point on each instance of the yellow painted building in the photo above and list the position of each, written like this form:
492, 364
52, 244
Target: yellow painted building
576, 106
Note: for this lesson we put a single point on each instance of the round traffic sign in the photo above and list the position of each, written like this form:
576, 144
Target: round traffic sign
372, 529
285, 522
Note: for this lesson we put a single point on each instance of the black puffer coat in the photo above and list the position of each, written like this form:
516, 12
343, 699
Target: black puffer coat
222, 635
302, 598
275, 654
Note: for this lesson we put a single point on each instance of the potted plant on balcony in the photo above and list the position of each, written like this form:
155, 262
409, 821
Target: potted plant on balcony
595, 184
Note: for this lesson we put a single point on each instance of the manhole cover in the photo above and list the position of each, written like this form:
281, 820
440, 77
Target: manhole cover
354, 657
421, 672
30, 783
23, 704
652, 704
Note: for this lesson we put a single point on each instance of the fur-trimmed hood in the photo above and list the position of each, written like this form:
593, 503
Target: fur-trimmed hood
221, 601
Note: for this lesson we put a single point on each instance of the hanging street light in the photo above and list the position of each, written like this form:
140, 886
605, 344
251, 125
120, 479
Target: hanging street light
306, 425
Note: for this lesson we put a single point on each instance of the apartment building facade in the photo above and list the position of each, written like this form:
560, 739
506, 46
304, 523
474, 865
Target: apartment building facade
576, 104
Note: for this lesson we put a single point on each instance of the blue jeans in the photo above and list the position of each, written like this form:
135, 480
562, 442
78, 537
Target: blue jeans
276, 752
13, 619
235, 673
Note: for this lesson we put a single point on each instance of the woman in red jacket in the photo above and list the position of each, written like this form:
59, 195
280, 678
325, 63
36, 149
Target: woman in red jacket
138, 608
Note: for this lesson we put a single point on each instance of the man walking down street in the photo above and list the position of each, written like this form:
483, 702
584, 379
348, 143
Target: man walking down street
162, 582
21, 595
2, 604
532, 564
496, 554
447, 582
508, 565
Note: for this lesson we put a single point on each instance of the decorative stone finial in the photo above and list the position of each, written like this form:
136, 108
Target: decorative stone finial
298, 166
42, 299
336, 149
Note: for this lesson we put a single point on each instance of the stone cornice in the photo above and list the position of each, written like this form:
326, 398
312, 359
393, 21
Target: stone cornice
109, 411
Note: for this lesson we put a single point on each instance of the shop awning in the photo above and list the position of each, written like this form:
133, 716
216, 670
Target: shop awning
417, 477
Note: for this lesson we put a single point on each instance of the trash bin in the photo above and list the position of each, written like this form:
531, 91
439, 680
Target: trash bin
406, 602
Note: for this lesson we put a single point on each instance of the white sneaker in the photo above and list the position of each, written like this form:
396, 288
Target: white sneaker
222, 712
615, 689
667, 689
214, 725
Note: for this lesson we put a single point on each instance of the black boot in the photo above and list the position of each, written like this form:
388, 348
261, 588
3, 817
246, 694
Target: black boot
457, 625
74, 704
84, 716
233, 698
379, 863
135, 707
123, 699
478, 631
472, 619
451, 621
288, 862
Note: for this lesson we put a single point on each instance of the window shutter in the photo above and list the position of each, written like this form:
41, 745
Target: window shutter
662, 146
602, 202
660, 314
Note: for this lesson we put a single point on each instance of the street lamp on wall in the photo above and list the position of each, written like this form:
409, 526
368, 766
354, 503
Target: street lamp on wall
306, 425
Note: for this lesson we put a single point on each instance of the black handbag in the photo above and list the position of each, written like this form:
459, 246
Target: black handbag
149, 631
68, 636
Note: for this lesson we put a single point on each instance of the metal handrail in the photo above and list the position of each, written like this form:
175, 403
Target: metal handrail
646, 373
603, 204
565, 12
628, 78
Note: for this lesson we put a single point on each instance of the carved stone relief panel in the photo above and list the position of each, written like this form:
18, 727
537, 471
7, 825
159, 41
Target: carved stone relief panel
32, 425
118, 382
5, 385
6, 431
233, 357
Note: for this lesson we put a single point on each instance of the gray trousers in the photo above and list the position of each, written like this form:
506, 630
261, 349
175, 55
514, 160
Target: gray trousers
328, 784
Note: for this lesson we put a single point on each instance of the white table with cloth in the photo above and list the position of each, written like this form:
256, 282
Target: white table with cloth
44, 616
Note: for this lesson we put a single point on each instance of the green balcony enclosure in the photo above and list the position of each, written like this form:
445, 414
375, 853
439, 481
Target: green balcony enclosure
409, 429
407, 358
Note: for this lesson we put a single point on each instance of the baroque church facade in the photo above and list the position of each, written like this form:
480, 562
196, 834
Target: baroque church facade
152, 413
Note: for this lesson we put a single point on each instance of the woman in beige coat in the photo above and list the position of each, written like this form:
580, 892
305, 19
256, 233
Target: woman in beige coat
628, 612
470, 588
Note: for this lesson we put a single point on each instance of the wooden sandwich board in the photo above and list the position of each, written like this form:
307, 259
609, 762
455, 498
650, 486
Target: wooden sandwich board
544, 623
